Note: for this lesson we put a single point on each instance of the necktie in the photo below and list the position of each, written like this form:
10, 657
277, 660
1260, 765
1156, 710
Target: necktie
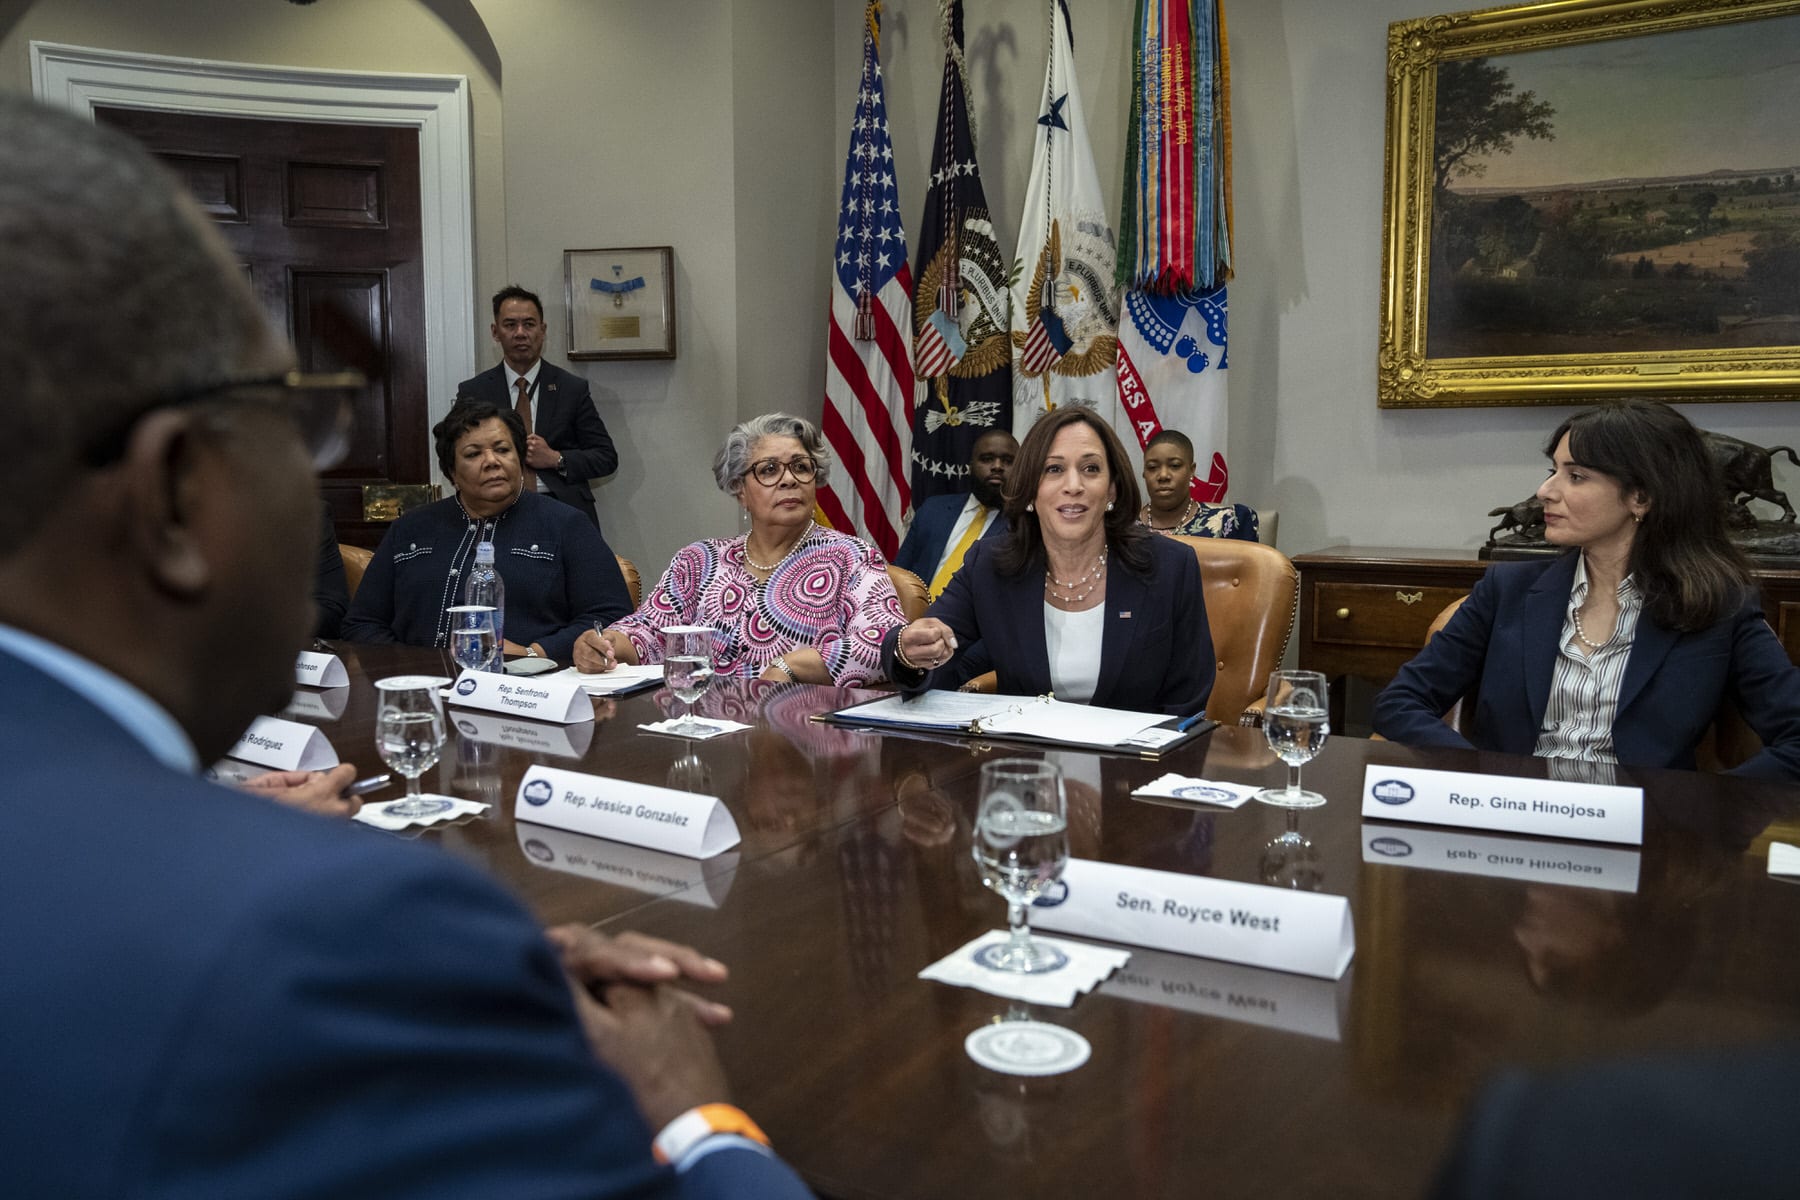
953, 561
523, 408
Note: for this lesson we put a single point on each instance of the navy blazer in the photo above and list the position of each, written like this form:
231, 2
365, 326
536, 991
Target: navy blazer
930, 530
207, 994
1156, 653
1499, 652
563, 414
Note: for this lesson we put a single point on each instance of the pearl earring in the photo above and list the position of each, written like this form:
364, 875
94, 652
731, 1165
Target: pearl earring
1030, 506
1109, 506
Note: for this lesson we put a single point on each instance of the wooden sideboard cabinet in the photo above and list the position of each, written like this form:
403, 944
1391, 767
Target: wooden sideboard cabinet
1364, 609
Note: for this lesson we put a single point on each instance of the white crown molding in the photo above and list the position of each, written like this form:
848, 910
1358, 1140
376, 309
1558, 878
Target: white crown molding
78, 78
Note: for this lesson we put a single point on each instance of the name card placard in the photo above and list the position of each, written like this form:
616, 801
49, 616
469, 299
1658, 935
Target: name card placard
546, 698
637, 813
1271, 999
648, 871
315, 669
1576, 864
1283, 930
1590, 812
536, 737
285, 746
317, 705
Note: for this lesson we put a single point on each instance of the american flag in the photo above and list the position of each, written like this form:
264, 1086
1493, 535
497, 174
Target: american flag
869, 385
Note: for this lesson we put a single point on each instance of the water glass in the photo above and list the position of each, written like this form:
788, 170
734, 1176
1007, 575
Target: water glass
409, 733
1296, 720
474, 644
687, 669
1021, 845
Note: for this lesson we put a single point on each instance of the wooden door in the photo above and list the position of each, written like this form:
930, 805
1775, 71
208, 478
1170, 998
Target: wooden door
325, 219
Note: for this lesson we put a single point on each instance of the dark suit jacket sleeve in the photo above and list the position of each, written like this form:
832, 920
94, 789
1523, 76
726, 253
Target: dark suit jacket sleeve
331, 591
955, 608
594, 588
1410, 710
398, 1061
1765, 685
1193, 666
912, 548
371, 615
591, 455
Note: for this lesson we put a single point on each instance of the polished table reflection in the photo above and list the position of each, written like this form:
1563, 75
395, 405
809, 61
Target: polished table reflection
854, 873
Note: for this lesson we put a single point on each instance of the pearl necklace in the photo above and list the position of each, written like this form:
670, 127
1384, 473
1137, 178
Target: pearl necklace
1066, 593
771, 567
1192, 508
1582, 637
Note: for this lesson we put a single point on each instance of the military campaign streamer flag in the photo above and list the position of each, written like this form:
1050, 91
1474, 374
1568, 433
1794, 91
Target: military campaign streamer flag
960, 350
869, 368
1064, 298
1175, 238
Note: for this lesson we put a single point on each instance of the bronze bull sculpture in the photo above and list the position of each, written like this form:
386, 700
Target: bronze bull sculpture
1747, 470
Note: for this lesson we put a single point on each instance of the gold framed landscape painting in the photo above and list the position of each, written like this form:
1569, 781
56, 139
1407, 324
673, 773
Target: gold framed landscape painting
1592, 198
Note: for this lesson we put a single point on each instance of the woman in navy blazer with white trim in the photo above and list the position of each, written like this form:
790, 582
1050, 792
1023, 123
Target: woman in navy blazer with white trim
1077, 598
1634, 495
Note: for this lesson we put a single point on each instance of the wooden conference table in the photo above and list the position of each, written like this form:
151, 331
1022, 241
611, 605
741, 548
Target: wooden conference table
1206, 1078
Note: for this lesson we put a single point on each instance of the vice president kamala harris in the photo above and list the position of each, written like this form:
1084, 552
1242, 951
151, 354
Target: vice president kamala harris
1077, 599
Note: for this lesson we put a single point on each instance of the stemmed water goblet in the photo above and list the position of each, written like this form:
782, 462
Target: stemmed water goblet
1021, 845
687, 669
1296, 720
409, 733
473, 642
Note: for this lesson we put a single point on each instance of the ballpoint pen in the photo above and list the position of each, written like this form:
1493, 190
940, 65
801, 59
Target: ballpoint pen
1187, 723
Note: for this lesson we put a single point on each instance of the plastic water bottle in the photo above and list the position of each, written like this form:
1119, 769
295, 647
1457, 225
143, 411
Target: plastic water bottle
484, 586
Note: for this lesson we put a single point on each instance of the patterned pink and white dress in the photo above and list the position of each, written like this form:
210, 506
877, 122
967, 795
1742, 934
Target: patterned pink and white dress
832, 593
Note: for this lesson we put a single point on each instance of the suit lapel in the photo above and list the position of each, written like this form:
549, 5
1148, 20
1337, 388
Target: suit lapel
1125, 594
1649, 646
1545, 606
1028, 609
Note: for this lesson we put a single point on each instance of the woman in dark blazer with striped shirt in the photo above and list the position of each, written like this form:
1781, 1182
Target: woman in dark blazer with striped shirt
1624, 648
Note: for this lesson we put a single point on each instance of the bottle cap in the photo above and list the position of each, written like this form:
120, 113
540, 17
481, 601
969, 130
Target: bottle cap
484, 552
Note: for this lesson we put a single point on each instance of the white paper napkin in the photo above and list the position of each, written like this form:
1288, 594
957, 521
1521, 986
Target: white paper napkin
378, 816
1087, 966
1198, 791
1784, 859
708, 728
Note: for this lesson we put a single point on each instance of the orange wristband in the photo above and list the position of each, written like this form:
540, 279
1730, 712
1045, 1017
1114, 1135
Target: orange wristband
697, 1124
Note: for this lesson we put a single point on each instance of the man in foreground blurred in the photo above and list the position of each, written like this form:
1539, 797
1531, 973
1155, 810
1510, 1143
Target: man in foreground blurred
205, 995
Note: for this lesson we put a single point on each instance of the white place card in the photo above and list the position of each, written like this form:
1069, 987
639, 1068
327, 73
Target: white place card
546, 698
1590, 812
327, 705
314, 669
648, 871
657, 817
1784, 859
1271, 999
535, 737
285, 746
1302, 932
1577, 864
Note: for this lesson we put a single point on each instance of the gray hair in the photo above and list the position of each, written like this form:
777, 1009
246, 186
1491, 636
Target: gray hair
732, 462
116, 292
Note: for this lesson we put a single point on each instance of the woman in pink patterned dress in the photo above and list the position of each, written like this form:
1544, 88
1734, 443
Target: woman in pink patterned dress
789, 600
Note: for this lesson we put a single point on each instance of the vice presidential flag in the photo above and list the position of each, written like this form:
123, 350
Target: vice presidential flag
960, 304
1064, 297
869, 366
1175, 248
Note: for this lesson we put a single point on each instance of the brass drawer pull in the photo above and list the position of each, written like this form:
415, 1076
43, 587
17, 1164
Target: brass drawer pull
1409, 597
1343, 614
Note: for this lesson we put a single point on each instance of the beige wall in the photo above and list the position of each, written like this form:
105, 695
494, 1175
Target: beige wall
719, 127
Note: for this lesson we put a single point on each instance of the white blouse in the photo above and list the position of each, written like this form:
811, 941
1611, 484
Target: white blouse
1073, 640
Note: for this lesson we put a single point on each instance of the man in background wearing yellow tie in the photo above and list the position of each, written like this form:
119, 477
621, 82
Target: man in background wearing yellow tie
569, 444
944, 527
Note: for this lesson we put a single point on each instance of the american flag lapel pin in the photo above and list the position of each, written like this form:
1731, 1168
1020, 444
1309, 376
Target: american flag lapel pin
1125, 615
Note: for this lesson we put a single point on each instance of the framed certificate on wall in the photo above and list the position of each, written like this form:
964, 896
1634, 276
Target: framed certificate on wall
621, 302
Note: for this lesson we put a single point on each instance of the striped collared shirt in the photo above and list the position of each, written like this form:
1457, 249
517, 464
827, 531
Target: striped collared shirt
1584, 691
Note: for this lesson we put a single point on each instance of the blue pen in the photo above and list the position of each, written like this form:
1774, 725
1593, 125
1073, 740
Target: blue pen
1187, 723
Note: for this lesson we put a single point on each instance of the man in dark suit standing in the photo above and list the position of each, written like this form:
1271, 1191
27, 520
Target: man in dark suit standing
569, 444
207, 994
946, 526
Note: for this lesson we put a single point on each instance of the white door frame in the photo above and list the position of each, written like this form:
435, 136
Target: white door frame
437, 106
